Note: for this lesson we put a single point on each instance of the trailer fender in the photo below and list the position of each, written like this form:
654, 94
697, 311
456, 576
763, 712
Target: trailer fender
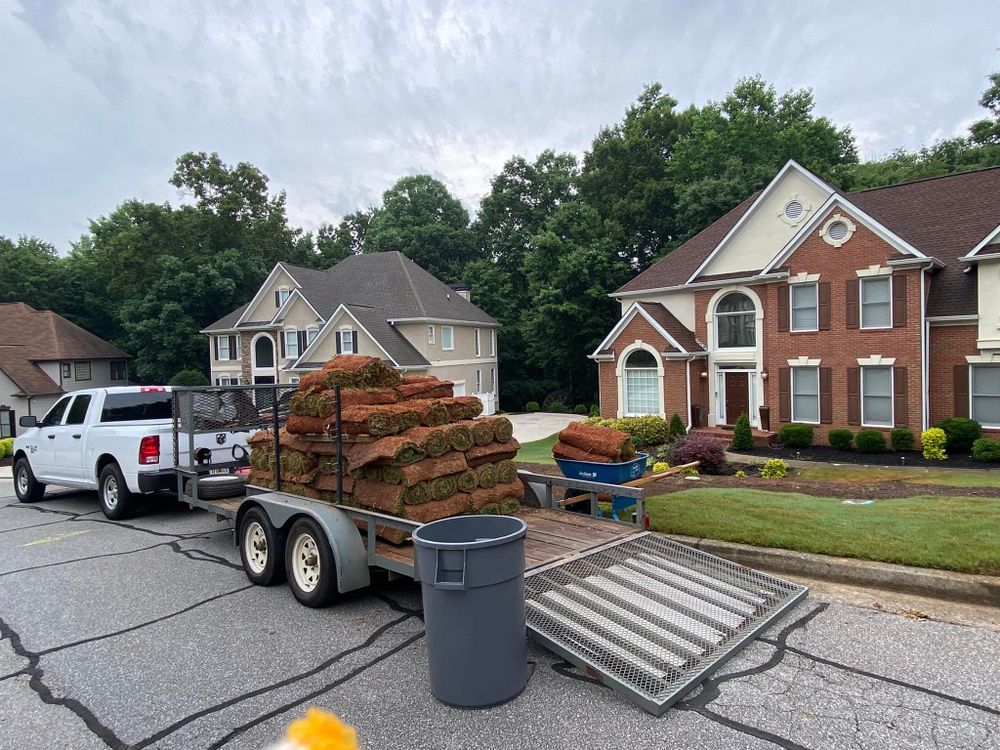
344, 537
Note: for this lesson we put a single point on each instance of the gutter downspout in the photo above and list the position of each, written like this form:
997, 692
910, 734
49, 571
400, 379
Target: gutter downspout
924, 406
687, 374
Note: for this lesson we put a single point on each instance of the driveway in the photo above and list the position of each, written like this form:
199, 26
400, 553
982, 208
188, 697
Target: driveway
146, 634
528, 427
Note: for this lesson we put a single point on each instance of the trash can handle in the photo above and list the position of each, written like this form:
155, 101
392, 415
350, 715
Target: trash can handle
448, 585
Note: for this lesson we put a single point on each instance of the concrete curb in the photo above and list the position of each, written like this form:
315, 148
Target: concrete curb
938, 584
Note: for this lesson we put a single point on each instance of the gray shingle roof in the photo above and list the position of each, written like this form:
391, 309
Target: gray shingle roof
389, 338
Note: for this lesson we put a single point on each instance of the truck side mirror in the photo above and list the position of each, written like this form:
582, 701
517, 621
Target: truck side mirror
28, 421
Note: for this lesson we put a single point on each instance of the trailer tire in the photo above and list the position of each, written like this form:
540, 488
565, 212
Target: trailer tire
218, 486
261, 548
309, 564
116, 498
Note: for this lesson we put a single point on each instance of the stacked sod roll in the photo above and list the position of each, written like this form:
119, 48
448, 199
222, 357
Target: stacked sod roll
411, 448
588, 442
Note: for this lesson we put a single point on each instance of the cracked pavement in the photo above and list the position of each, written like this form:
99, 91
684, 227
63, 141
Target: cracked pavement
146, 633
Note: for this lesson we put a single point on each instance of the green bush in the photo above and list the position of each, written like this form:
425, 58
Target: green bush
531, 406
742, 436
869, 441
984, 449
647, 430
580, 409
796, 435
774, 469
961, 433
841, 439
676, 428
901, 439
6, 447
595, 410
933, 442
557, 407
187, 378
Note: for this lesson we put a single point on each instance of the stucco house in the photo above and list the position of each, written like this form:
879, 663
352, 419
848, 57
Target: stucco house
875, 309
380, 304
44, 356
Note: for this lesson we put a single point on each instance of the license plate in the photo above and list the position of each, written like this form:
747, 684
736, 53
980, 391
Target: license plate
219, 471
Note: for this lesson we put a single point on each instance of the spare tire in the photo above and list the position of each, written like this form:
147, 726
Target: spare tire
215, 486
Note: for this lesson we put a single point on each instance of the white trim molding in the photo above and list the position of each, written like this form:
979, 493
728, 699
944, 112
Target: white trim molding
267, 283
325, 331
803, 278
806, 208
636, 308
875, 270
876, 360
448, 321
838, 218
953, 320
987, 240
283, 311
984, 358
804, 362
620, 375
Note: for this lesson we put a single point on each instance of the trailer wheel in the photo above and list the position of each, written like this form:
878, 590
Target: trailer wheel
309, 564
261, 548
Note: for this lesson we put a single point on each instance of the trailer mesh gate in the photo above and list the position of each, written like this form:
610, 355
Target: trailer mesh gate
651, 617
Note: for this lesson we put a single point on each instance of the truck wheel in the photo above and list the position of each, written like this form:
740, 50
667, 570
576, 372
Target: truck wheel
261, 547
26, 487
115, 496
309, 564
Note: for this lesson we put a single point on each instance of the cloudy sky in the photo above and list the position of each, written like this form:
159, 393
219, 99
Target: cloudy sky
336, 100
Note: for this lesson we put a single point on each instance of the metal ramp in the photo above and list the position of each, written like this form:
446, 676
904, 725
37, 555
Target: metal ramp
650, 617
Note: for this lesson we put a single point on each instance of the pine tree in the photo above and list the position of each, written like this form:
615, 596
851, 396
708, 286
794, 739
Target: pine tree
742, 436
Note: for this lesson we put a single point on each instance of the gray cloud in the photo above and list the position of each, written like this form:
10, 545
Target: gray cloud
334, 101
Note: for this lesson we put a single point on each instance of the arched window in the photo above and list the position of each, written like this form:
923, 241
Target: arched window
642, 384
735, 321
263, 352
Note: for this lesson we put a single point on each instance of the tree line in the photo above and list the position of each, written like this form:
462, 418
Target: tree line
552, 237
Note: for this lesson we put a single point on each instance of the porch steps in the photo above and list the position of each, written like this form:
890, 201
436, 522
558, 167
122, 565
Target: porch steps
761, 438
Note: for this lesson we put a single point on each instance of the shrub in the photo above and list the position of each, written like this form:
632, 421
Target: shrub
6, 447
708, 450
187, 378
774, 469
647, 430
841, 439
796, 435
961, 433
742, 436
933, 441
595, 410
660, 466
740, 473
984, 449
557, 407
676, 428
869, 441
532, 407
580, 409
901, 439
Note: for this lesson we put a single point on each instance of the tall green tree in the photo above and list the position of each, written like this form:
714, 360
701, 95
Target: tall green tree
986, 132
334, 243
422, 220
29, 272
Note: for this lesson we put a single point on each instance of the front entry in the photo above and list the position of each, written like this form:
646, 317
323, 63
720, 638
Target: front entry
737, 395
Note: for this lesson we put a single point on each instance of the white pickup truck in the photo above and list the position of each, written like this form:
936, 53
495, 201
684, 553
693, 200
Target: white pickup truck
117, 441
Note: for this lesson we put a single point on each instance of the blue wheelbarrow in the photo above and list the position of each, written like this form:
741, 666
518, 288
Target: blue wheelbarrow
613, 473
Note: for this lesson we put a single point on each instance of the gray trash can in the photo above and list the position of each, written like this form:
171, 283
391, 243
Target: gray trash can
471, 572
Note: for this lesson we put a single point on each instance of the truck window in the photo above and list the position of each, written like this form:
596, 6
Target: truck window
78, 411
55, 414
132, 407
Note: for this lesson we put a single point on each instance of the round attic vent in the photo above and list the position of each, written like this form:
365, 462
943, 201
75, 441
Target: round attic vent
793, 210
837, 231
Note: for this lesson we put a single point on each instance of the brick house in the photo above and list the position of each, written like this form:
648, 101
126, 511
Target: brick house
874, 309
380, 304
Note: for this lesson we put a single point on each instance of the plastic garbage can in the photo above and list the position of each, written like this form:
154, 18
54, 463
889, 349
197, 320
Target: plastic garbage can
471, 572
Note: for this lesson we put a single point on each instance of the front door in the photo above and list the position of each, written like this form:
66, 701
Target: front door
737, 395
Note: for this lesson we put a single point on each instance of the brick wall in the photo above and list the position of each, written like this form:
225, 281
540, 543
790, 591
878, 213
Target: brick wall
245, 363
949, 346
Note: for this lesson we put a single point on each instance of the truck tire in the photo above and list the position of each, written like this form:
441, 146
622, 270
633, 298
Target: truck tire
116, 498
261, 548
309, 564
218, 486
26, 487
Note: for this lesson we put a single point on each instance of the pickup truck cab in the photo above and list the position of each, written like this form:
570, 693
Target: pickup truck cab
117, 441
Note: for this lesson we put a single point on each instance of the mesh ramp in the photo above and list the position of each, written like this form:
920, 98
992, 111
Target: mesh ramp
650, 617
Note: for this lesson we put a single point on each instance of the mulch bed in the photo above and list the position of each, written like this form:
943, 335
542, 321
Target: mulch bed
891, 458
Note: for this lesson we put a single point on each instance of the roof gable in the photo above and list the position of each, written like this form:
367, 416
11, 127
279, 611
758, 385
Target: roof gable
279, 276
679, 338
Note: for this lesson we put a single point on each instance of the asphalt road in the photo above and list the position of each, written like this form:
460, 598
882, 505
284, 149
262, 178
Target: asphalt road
146, 634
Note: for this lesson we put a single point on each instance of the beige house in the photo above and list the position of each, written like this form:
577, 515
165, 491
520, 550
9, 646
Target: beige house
381, 304
44, 356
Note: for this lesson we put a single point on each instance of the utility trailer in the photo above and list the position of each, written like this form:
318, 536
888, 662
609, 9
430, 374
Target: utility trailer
649, 617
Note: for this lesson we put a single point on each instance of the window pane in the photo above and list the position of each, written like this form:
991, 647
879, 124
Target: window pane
876, 308
83, 370
875, 290
127, 407
291, 344
804, 316
735, 302
311, 335
986, 381
78, 410
986, 410
447, 336
805, 394
876, 388
642, 392
55, 414
640, 358
737, 330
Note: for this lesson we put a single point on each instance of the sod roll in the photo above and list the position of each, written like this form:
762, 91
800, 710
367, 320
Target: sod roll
463, 407
396, 449
435, 510
496, 494
564, 450
509, 506
431, 468
432, 440
442, 487
487, 476
468, 480
482, 432
492, 453
601, 441
459, 436
506, 472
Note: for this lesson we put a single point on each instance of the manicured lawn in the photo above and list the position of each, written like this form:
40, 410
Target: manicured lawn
538, 451
948, 477
952, 533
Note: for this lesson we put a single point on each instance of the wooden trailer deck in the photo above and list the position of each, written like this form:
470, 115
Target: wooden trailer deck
553, 535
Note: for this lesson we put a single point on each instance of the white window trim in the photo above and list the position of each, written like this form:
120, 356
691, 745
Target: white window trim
861, 306
223, 380
876, 360
479, 345
892, 397
755, 313
620, 373
803, 362
493, 380
450, 329
479, 381
218, 344
430, 334
806, 209
311, 333
493, 342
293, 380
972, 395
835, 219
340, 334
875, 270
803, 278
819, 396
295, 338
283, 294
263, 369
791, 307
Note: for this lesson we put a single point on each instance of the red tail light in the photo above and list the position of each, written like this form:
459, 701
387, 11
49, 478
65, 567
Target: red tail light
149, 450
645, 522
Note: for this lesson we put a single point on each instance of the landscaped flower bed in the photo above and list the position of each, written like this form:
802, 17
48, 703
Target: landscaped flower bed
889, 458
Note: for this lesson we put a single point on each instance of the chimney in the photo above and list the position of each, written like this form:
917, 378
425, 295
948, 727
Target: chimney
462, 289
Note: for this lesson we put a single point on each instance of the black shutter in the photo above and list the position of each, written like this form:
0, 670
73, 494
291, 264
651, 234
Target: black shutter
337, 334
825, 395
824, 305
354, 341
899, 301
281, 335
301, 335
233, 354
853, 395
784, 292
215, 341
784, 394
277, 298
960, 388
901, 411
853, 303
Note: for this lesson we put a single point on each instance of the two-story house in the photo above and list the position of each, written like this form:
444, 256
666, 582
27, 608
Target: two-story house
381, 304
43, 356
875, 309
